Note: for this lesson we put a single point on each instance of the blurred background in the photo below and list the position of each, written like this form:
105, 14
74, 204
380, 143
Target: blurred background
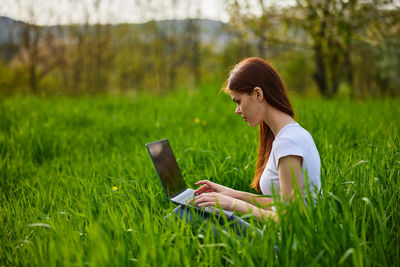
325, 48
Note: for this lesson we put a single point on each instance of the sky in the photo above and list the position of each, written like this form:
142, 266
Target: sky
51, 12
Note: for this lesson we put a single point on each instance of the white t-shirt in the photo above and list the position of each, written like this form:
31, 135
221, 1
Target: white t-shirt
292, 139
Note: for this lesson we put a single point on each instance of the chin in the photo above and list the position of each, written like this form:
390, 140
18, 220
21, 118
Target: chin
254, 125
251, 124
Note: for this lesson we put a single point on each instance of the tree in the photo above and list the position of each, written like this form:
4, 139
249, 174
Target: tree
339, 31
38, 49
261, 28
321, 21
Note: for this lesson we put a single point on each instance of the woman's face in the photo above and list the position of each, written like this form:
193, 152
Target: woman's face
247, 106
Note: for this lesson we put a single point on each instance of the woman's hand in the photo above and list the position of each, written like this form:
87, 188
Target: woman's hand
212, 199
208, 187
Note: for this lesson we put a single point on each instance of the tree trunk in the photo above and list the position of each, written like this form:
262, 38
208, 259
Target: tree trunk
320, 73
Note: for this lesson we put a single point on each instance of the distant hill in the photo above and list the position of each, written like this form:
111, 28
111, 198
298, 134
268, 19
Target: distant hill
10, 30
210, 30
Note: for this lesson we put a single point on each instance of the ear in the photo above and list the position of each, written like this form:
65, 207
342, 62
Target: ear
258, 93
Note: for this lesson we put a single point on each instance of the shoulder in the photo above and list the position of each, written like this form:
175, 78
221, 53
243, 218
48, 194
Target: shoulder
287, 146
292, 141
293, 135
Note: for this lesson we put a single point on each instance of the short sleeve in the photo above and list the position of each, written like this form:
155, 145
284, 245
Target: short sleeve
288, 147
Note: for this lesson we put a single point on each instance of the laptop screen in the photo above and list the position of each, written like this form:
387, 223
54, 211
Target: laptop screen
167, 167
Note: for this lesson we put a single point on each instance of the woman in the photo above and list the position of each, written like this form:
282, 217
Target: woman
285, 148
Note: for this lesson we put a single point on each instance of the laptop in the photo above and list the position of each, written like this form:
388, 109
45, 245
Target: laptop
171, 178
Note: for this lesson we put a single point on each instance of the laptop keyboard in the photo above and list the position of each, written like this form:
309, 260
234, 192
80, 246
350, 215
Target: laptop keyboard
184, 197
188, 195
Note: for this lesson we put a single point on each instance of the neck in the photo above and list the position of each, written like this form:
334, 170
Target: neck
277, 119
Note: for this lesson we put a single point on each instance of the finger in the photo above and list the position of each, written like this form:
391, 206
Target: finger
206, 204
201, 189
202, 182
198, 199
203, 198
206, 197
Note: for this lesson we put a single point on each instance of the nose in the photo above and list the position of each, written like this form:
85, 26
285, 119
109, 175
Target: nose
238, 111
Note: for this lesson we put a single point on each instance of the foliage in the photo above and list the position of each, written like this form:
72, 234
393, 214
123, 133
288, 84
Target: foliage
340, 34
326, 45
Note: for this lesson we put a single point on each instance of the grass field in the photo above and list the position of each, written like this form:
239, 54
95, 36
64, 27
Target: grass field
78, 186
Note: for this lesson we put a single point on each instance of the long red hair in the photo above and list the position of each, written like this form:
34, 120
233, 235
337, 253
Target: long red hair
243, 78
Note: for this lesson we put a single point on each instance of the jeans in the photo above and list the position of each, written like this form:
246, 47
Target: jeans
240, 227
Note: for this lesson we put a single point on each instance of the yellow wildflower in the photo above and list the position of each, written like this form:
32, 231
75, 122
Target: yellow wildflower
114, 188
197, 120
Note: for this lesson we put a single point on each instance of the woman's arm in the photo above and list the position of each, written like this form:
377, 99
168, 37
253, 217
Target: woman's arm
247, 208
254, 199
234, 204
288, 166
289, 170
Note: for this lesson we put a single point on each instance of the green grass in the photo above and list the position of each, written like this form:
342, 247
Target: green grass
61, 157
